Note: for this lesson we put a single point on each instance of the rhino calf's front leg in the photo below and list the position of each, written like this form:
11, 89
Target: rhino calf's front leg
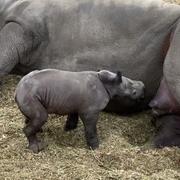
90, 120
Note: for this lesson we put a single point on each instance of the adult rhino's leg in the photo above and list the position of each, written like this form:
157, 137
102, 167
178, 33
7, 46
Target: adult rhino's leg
167, 131
12, 46
169, 125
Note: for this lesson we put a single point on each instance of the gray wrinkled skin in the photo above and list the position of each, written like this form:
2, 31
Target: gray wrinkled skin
141, 38
82, 94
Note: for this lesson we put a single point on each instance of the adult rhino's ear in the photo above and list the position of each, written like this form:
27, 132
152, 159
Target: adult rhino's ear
108, 77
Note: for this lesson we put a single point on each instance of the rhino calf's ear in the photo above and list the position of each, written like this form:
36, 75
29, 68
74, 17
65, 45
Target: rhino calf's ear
119, 76
107, 77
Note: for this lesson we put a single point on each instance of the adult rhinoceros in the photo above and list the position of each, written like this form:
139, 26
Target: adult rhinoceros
141, 38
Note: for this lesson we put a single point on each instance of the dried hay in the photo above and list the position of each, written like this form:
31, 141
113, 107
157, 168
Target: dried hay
125, 151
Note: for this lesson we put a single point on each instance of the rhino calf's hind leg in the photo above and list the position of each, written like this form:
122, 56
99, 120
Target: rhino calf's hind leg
72, 122
36, 120
27, 122
90, 120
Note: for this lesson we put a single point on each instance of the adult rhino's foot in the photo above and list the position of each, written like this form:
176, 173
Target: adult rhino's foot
168, 131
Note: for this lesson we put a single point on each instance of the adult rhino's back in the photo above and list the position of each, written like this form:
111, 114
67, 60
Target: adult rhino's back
80, 34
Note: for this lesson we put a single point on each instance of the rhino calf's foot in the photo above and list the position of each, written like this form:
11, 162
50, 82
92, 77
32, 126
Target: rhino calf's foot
72, 122
36, 146
93, 143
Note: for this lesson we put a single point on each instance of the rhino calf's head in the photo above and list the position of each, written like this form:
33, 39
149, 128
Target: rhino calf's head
120, 86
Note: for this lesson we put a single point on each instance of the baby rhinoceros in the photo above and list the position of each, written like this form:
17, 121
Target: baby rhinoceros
76, 94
